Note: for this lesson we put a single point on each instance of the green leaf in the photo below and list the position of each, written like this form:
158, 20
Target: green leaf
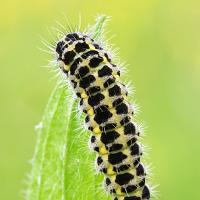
62, 166
98, 28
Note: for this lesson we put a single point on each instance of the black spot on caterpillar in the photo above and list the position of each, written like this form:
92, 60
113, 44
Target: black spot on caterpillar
109, 115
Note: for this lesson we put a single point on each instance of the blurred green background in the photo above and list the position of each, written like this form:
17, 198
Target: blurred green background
160, 40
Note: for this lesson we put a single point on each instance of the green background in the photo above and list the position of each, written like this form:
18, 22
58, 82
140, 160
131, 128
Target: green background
160, 40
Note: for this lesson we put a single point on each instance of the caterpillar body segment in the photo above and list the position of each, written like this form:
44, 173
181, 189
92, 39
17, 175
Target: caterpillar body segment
108, 115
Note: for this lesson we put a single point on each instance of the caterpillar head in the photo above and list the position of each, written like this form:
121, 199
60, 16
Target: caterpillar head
69, 47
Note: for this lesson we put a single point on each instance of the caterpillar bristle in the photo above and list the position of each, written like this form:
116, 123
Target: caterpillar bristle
109, 116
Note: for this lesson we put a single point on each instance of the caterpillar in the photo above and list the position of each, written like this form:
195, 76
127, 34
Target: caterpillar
108, 114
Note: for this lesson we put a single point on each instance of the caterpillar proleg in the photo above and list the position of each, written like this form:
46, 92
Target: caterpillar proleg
109, 115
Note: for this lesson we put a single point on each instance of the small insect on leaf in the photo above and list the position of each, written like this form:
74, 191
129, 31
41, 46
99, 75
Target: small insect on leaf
62, 166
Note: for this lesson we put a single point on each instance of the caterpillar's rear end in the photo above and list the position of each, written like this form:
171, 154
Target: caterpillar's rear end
109, 115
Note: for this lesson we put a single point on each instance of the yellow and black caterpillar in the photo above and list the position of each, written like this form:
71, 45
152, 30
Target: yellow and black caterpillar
109, 115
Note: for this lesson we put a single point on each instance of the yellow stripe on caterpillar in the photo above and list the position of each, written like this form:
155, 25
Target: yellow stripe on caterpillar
96, 130
91, 47
90, 112
119, 192
84, 95
66, 67
102, 150
110, 170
